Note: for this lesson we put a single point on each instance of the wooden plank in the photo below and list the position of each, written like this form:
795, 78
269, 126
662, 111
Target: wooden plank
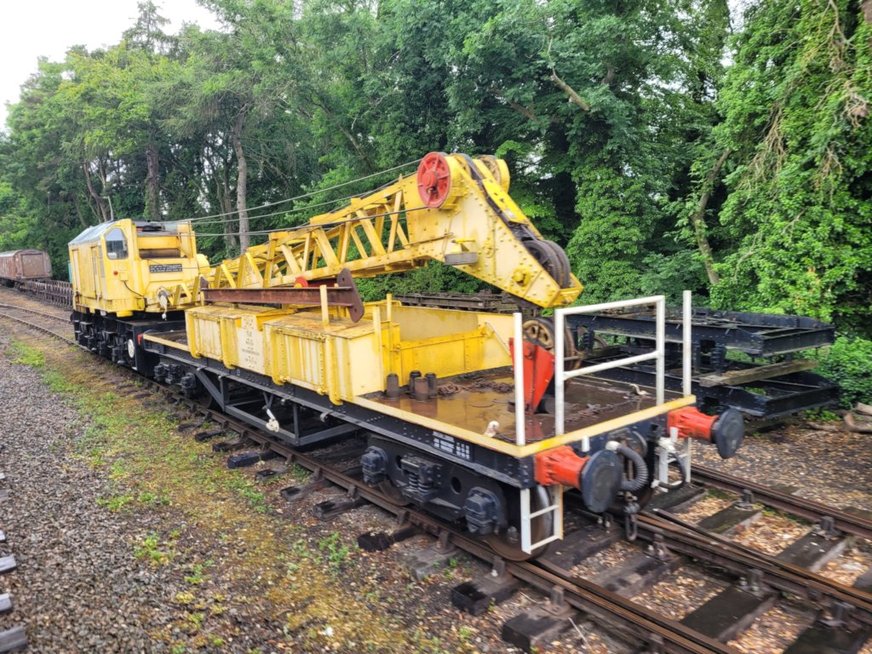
733, 377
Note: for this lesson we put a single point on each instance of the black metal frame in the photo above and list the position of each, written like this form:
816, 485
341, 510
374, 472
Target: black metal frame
766, 399
755, 334
221, 382
714, 333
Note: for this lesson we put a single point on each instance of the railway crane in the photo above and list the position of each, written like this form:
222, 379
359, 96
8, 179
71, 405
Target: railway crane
481, 418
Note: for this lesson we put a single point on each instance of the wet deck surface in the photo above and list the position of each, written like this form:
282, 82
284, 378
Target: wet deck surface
472, 401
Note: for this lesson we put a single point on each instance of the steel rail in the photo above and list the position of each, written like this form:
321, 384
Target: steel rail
624, 615
65, 319
34, 325
739, 559
812, 510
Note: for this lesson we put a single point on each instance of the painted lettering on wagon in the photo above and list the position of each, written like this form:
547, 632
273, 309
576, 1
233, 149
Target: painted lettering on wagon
450, 445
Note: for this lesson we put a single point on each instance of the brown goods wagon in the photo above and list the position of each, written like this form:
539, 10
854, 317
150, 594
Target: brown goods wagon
24, 264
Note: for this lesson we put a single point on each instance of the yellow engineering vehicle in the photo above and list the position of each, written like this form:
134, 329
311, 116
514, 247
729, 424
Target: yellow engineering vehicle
126, 276
281, 339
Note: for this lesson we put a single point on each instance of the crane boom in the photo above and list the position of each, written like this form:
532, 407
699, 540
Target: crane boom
456, 210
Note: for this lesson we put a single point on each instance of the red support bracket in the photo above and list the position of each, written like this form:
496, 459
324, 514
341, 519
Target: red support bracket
538, 373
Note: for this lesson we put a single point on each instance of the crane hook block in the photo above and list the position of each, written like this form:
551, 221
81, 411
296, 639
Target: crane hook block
435, 183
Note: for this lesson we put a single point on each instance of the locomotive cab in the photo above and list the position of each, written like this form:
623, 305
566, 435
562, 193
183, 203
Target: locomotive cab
129, 277
125, 267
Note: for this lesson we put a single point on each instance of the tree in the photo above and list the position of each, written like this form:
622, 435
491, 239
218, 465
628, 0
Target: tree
796, 221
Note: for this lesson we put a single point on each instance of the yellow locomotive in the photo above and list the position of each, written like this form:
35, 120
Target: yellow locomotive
124, 272
451, 403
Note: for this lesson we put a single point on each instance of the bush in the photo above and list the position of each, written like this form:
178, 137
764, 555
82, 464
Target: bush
849, 363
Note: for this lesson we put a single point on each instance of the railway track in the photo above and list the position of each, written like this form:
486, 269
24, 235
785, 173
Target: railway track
18, 313
58, 293
845, 521
784, 576
627, 618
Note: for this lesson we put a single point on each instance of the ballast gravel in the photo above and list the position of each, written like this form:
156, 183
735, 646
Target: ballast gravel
77, 587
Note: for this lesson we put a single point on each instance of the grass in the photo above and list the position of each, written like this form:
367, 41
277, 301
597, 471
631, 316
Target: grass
206, 518
335, 551
154, 550
299, 473
116, 502
25, 355
197, 569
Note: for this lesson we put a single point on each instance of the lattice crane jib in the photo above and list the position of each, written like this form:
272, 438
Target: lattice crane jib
456, 210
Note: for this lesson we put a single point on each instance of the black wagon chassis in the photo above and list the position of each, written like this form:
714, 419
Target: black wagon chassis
303, 417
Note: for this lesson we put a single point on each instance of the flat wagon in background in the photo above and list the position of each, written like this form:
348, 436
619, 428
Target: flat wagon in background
21, 265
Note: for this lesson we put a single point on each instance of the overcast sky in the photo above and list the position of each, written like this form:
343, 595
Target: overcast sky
47, 28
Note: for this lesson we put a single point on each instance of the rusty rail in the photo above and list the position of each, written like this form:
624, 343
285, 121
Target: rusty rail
844, 521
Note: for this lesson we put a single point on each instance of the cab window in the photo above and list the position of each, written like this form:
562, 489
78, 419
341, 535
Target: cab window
116, 245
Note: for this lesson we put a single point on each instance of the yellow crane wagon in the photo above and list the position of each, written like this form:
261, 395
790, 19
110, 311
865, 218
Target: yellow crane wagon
449, 402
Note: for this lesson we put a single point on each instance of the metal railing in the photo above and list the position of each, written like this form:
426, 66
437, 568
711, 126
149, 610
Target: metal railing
561, 376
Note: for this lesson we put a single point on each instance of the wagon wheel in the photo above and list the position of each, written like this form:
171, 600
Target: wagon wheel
541, 331
392, 494
598, 343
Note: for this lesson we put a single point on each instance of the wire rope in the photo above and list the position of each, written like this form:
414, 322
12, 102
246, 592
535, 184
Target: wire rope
310, 226
211, 217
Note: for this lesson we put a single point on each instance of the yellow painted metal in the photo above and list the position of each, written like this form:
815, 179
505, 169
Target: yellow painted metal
231, 335
160, 337
344, 359
392, 230
152, 271
530, 449
447, 342
340, 360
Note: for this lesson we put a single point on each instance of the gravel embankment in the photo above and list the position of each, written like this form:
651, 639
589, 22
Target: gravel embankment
77, 587
85, 585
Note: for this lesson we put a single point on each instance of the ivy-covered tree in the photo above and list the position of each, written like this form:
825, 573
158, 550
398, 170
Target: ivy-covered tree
795, 226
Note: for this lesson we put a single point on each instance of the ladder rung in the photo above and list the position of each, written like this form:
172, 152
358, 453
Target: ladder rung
544, 541
547, 509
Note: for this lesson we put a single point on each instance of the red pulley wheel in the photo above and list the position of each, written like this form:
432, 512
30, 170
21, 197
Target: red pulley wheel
434, 179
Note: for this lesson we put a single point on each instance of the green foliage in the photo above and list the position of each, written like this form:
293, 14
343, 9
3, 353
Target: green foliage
27, 355
629, 141
115, 502
795, 225
197, 575
153, 550
432, 278
335, 551
848, 362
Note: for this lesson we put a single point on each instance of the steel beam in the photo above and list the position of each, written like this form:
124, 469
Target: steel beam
341, 292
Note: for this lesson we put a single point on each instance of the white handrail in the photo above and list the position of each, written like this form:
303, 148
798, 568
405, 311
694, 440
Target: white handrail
686, 348
518, 361
561, 376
